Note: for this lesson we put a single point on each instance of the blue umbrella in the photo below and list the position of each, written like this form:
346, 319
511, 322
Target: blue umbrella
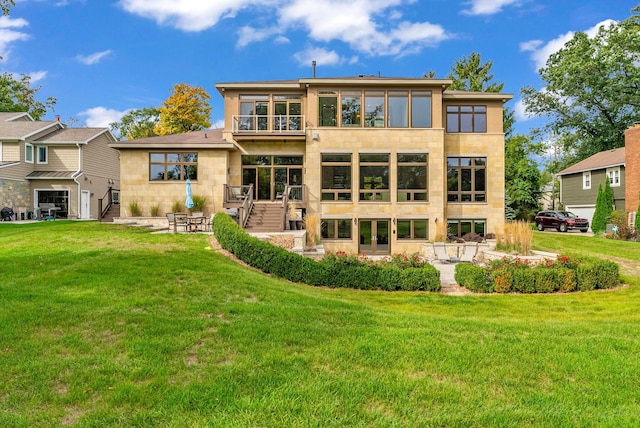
189, 202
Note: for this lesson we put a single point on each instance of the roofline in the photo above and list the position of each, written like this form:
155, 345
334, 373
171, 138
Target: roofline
561, 173
461, 95
128, 145
24, 137
18, 115
75, 142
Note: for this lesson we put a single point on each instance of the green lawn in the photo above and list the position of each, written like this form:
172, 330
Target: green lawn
104, 325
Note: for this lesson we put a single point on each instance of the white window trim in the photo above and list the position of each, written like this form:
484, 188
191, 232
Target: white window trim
46, 149
27, 145
586, 180
616, 173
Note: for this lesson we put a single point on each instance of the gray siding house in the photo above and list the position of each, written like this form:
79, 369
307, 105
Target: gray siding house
44, 164
579, 183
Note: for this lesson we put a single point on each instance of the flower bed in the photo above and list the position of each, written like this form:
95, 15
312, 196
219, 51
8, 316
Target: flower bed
564, 274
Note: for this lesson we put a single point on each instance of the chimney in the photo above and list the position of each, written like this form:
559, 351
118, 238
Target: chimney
57, 118
313, 68
631, 165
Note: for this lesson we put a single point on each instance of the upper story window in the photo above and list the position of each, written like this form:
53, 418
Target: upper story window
466, 118
173, 166
266, 112
466, 179
28, 153
374, 177
412, 177
336, 177
42, 155
391, 109
586, 180
614, 176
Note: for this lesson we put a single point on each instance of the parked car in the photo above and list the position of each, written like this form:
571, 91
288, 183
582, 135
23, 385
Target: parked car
560, 220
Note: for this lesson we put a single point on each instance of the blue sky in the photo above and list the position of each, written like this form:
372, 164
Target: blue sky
101, 58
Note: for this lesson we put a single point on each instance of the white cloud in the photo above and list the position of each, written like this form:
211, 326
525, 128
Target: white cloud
540, 51
37, 75
101, 117
320, 55
519, 112
8, 35
188, 15
372, 27
93, 58
487, 7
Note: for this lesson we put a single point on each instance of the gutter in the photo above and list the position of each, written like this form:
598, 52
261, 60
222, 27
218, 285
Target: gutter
77, 175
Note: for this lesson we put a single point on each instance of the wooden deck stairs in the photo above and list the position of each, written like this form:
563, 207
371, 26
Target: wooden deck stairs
265, 218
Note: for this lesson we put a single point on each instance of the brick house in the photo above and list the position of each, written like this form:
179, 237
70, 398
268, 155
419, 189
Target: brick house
385, 163
46, 164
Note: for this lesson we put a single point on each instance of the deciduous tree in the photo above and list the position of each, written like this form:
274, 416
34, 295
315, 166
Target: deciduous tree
187, 109
17, 95
136, 124
591, 89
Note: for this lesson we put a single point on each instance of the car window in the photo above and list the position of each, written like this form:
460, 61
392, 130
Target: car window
571, 215
561, 214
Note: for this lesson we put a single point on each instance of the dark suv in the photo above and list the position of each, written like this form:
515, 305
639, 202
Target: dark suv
561, 220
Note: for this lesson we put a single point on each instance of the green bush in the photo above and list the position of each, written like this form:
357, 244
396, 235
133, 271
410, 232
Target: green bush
473, 278
524, 280
546, 280
566, 279
502, 280
335, 270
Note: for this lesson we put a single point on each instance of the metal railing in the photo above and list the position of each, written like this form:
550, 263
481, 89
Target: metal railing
242, 198
103, 207
293, 124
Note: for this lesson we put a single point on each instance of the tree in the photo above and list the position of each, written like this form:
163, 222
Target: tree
136, 124
17, 95
636, 222
6, 6
604, 208
187, 109
470, 74
591, 89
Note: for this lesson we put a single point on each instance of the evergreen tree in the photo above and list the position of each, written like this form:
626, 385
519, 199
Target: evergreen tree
636, 222
604, 208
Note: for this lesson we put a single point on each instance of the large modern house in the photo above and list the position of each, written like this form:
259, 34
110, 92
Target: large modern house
49, 170
383, 162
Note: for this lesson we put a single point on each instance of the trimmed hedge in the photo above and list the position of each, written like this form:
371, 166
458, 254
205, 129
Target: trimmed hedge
331, 271
564, 275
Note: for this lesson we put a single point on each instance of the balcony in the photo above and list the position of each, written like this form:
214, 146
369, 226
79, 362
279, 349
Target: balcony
269, 127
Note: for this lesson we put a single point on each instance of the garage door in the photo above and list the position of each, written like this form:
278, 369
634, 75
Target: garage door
584, 211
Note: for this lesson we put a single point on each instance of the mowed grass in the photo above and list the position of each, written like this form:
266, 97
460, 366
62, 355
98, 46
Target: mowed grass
104, 325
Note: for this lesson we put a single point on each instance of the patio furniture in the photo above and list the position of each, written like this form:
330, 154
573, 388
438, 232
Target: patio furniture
440, 250
196, 223
180, 221
50, 209
469, 251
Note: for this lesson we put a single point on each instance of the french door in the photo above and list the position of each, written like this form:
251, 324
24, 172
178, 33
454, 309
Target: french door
374, 237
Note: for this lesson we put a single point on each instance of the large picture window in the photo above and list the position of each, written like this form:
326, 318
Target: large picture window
351, 109
336, 228
466, 179
173, 166
328, 108
461, 228
412, 229
412, 177
466, 119
374, 177
336, 177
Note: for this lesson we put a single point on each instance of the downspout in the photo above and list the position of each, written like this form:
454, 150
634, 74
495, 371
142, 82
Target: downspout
75, 178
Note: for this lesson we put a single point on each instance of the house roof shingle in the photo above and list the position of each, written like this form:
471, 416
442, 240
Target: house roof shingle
605, 159
209, 138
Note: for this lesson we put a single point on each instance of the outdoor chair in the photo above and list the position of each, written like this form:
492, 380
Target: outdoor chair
469, 251
180, 221
440, 251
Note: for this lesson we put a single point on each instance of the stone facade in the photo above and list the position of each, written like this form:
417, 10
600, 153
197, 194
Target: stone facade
632, 167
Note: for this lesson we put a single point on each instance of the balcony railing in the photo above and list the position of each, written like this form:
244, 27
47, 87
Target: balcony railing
268, 124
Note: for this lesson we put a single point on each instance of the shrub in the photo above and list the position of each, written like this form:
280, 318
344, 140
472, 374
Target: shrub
502, 280
199, 203
176, 207
425, 278
566, 279
472, 277
524, 280
134, 209
546, 280
154, 210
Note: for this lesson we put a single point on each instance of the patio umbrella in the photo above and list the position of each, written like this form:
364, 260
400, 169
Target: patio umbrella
189, 201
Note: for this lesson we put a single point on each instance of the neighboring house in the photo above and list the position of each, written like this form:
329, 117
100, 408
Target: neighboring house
46, 164
384, 162
579, 183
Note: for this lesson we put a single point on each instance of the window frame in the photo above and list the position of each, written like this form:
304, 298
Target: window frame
335, 191
377, 194
475, 196
28, 148
412, 229
473, 221
456, 117
181, 163
333, 225
613, 174
39, 151
586, 180
412, 192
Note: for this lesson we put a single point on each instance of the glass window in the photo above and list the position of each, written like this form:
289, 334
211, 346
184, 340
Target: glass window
336, 177
328, 110
28, 153
466, 179
586, 180
459, 228
421, 109
374, 177
412, 177
614, 176
173, 166
398, 109
466, 119
412, 229
351, 108
336, 229
374, 109
43, 154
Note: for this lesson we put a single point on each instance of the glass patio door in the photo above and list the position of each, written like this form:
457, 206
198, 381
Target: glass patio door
374, 237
